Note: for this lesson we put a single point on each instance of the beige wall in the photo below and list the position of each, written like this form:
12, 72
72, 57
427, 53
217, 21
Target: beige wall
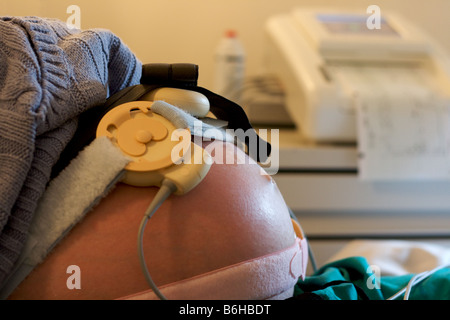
188, 30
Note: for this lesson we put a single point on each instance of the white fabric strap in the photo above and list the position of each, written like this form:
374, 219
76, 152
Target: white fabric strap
271, 276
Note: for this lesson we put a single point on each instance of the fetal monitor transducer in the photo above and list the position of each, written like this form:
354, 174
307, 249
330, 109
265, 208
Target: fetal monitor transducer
150, 139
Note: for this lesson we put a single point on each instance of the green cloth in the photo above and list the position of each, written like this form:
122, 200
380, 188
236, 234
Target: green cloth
354, 279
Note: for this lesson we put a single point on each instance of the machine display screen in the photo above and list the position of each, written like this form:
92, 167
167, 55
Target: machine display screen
354, 24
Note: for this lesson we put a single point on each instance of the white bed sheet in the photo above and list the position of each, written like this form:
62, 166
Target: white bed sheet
397, 257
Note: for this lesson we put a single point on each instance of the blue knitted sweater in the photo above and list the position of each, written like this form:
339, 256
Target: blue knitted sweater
49, 75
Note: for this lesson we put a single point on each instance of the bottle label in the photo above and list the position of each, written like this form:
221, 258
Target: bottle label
232, 59
229, 76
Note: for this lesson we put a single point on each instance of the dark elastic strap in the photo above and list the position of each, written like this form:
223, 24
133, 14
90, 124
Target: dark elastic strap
175, 74
236, 117
185, 75
154, 76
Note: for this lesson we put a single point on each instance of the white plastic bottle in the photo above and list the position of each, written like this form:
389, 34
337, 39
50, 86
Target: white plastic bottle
229, 67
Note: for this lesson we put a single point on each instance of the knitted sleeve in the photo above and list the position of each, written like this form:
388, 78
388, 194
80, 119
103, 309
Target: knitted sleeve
49, 74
